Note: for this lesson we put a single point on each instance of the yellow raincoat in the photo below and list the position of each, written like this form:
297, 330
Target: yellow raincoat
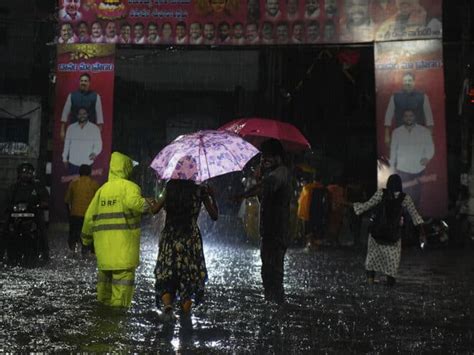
304, 201
112, 224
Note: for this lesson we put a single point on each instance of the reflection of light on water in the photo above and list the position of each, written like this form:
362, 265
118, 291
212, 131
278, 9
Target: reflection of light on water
213, 344
221, 262
175, 343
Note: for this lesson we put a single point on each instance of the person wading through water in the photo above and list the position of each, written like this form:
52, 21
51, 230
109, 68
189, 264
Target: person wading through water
383, 252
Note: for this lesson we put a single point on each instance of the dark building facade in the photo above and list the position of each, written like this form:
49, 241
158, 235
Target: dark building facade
162, 91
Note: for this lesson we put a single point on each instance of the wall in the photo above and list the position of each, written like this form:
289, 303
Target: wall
20, 108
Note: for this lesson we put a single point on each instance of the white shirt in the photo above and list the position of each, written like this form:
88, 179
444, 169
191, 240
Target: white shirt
113, 39
409, 147
269, 17
124, 40
73, 39
182, 40
140, 40
198, 40
153, 41
99, 117
100, 39
426, 109
80, 142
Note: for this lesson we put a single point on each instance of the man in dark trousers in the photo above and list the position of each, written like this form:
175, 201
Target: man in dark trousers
274, 190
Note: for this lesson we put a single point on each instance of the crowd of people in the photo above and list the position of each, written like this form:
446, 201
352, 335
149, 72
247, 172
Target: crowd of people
106, 221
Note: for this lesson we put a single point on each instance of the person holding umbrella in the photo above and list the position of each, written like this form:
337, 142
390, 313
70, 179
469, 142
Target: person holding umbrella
186, 163
273, 137
180, 270
275, 191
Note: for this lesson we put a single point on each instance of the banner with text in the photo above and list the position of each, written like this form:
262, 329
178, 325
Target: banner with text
251, 22
411, 126
82, 133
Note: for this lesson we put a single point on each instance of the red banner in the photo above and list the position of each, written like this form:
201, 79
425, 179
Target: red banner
83, 116
411, 126
251, 22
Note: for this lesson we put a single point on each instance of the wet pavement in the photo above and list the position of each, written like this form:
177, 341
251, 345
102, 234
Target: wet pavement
329, 308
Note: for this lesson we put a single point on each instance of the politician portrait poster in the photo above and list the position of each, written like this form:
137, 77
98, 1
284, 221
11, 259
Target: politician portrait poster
246, 23
82, 132
411, 130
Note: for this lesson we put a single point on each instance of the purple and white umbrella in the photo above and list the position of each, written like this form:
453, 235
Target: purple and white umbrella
202, 155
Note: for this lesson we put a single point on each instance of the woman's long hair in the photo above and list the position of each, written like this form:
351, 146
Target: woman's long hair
179, 196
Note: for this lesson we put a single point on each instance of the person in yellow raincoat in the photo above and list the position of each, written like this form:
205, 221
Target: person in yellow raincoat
314, 216
112, 225
304, 201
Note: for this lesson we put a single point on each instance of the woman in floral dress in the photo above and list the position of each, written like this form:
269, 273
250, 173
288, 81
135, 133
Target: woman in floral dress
385, 258
181, 269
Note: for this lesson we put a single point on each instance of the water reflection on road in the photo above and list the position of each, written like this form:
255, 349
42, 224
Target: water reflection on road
329, 308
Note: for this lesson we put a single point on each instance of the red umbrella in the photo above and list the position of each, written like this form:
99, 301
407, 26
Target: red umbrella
256, 130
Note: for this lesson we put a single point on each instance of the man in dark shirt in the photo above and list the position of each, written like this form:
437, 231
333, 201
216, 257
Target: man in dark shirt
275, 193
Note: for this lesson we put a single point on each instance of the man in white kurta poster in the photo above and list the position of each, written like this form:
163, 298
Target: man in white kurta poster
411, 150
83, 143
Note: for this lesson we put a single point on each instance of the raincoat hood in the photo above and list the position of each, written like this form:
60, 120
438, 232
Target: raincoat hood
120, 166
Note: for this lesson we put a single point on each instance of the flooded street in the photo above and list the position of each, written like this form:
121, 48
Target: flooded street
329, 306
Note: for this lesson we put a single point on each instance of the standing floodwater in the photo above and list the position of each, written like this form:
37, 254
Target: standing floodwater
330, 308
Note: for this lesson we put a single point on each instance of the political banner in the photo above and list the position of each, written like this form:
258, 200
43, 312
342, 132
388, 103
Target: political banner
251, 22
411, 130
82, 132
